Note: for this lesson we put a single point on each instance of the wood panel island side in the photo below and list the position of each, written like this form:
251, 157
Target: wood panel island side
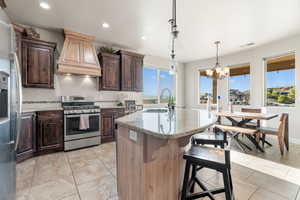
150, 147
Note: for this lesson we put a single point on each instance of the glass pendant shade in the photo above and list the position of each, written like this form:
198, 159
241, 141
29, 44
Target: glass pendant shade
173, 66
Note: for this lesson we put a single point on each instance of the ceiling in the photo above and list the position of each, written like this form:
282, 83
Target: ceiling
201, 22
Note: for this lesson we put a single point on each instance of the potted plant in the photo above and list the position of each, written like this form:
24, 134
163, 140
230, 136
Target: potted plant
109, 50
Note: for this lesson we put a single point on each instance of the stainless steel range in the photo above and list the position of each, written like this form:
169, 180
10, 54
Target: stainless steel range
81, 122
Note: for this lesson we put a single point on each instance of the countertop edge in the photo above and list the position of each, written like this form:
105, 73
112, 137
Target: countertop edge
165, 136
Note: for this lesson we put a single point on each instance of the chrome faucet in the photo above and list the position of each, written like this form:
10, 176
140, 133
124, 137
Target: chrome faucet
169, 97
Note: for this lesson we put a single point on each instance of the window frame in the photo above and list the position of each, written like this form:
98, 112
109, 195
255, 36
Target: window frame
250, 85
199, 85
158, 70
265, 70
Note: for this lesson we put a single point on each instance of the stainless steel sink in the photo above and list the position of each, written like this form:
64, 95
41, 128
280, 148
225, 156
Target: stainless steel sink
156, 110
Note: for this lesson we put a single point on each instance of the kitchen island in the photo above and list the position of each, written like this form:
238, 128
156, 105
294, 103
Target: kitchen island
150, 147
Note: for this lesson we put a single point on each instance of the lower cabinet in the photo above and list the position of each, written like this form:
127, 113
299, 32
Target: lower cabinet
27, 140
49, 131
108, 116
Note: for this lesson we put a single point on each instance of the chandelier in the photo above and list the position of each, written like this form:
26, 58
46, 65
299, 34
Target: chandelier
218, 72
174, 35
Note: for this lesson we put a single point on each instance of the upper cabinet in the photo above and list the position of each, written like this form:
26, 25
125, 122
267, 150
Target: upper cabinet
131, 71
110, 79
79, 55
37, 63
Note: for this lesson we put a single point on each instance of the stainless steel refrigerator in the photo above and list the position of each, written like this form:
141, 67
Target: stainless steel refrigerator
10, 108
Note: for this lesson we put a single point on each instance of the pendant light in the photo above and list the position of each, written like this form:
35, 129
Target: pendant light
218, 72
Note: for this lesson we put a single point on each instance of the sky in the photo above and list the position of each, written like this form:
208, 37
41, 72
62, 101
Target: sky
281, 78
150, 82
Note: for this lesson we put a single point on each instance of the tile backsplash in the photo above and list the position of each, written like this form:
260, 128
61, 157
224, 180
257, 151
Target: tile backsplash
77, 86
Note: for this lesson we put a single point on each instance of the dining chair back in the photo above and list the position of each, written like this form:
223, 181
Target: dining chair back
283, 132
251, 110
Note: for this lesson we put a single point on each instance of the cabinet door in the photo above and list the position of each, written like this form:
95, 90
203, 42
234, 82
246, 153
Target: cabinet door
127, 73
50, 133
107, 127
111, 73
138, 74
37, 62
27, 140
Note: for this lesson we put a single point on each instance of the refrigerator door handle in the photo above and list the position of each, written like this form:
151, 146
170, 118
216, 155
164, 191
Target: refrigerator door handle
20, 100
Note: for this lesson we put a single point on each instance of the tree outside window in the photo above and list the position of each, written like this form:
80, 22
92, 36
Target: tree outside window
280, 81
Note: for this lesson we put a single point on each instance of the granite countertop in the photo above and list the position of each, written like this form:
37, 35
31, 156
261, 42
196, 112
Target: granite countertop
169, 125
41, 109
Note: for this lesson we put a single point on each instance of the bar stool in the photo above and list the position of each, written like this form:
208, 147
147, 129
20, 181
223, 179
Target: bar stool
208, 157
206, 138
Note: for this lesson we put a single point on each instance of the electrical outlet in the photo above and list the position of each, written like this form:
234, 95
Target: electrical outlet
133, 135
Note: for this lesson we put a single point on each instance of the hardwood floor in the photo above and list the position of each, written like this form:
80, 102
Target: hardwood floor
90, 174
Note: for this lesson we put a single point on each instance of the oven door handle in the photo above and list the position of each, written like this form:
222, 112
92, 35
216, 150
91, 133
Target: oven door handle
73, 116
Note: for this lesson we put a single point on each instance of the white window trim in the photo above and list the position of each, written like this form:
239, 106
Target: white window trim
228, 84
159, 104
265, 59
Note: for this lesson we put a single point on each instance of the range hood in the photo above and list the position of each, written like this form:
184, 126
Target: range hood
79, 55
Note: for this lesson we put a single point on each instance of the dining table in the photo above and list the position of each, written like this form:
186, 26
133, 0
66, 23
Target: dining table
241, 119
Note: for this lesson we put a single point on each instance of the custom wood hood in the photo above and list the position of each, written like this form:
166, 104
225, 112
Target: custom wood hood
79, 55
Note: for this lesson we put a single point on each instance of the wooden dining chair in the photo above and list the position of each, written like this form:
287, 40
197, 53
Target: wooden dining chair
282, 132
251, 110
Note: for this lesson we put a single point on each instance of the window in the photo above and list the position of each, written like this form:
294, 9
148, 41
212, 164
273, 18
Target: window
280, 81
155, 81
239, 85
166, 83
208, 87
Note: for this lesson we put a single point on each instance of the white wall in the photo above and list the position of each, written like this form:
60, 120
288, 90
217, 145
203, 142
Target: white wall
82, 86
255, 58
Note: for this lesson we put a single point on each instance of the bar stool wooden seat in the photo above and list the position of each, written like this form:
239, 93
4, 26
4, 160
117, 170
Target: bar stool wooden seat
208, 157
210, 138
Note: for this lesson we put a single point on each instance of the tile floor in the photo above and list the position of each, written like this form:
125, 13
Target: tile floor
90, 174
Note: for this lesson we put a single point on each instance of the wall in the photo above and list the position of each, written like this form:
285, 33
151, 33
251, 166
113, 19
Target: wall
86, 86
255, 58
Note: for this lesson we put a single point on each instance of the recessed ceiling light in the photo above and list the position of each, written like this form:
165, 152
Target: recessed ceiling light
45, 5
144, 38
105, 25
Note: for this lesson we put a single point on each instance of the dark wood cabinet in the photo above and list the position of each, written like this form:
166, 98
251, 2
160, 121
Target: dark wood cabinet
108, 116
138, 74
110, 64
131, 71
49, 131
27, 140
37, 63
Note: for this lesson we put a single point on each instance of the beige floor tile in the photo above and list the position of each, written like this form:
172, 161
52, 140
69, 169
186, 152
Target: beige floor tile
205, 174
272, 184
242, 190
298, 196
90, 173
73, 197
240, 172
99, 189
262, 194
53, 190
48, 173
